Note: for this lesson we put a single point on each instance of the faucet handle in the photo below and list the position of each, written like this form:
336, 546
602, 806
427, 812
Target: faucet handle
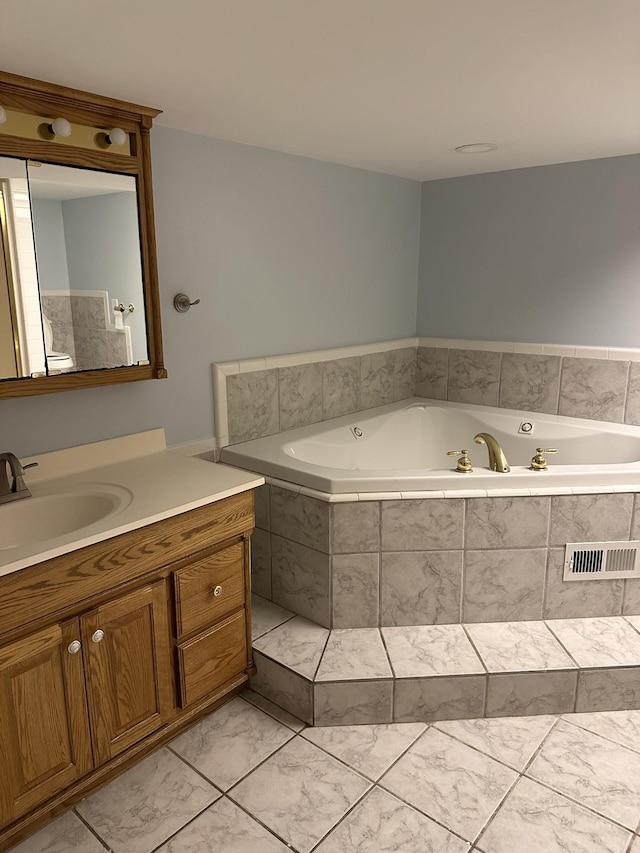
539, 463
30, 465
464, 465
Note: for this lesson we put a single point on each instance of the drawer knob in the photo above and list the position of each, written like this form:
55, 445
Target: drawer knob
74, 647
217, 590
97, 636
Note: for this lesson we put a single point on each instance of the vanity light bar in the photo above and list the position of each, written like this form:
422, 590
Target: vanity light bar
63, 132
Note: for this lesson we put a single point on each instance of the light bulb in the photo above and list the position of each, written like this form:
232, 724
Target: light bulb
3, 115
60, 127
116, 136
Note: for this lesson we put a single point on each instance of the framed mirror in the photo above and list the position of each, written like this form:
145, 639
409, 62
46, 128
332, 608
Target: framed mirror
79, 300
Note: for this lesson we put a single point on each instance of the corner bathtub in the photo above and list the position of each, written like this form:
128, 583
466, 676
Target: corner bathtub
402, 448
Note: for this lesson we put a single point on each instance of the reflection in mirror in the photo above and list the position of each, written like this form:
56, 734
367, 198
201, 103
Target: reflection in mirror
85, 224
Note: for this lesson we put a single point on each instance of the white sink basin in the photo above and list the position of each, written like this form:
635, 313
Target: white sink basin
52, 514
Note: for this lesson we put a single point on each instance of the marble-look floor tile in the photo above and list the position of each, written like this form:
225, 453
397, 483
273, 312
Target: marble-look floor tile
149, 803
230, 742
622, 727
614, 689
382, 824
66, 834
224, 828
346, 703
450, 782
283, 686
273, 710
634, 621
439, 698
297, 644
511, 740
511, 694
518, 646
265, 616
424, 650
300, 793
534, 819
368, 749
606, 641
354, 654
597, 773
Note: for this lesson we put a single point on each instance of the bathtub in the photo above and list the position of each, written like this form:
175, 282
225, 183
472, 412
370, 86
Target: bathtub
401, 448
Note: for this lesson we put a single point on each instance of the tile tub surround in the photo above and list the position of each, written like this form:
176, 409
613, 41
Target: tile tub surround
422, 673
384, 563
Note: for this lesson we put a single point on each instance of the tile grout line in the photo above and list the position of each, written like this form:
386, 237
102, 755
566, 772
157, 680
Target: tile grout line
89, 827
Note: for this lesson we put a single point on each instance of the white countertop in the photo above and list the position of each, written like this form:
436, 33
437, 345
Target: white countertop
147, 488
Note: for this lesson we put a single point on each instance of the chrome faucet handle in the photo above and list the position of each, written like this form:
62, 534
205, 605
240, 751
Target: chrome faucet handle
464, 465
539, 463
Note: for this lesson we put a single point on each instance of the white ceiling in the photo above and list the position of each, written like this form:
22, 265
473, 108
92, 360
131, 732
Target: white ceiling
389, 85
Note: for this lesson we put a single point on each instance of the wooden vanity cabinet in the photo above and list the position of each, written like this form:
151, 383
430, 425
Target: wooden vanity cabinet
112, 650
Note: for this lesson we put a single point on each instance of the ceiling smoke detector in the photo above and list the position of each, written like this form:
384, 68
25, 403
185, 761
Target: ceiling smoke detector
476, 148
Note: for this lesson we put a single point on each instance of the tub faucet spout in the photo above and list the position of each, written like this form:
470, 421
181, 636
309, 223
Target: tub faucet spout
497, 459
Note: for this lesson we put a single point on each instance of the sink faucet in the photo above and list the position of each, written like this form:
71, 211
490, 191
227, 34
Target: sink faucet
16, 488
497, 459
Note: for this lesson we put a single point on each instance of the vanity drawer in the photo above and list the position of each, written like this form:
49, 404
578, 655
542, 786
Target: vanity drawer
208, 590
212, 658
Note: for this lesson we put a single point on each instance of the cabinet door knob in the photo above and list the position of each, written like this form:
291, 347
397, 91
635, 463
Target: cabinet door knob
97, 636
217, 590
74, 647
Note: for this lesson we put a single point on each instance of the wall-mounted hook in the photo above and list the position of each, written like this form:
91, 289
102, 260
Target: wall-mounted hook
182, 303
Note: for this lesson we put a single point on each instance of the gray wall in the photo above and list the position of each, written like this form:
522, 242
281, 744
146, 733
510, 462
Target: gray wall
286, 254
48, 226
549, 254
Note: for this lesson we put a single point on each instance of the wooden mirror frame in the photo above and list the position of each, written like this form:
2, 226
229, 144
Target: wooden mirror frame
47, 101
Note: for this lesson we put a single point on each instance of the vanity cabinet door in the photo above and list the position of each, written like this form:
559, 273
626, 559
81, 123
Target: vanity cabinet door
44, 726
129, 674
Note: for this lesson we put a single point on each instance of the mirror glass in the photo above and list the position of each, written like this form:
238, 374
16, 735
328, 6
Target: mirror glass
71, 275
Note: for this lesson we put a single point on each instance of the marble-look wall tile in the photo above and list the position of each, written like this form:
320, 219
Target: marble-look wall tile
632, 413
91, 344
520, 694
88, 312
356, 585
474, 376
590, 518
507, 522
572, 599
420, 587
261, 505
261, 563
609, 689
422, 525
117, 347
530, 382
404, 373
301, 579
300, 518
57, 308
448, 698
300, 395
593, 388
347, 703
252, 404
432, 370
376, 379
284, 687
340, 387
631, 602
356, 527
503, 586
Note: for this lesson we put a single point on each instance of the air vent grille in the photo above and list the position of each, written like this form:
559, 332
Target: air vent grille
601, 560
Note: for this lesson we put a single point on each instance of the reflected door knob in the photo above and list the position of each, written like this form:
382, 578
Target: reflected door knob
97, 636
74, 647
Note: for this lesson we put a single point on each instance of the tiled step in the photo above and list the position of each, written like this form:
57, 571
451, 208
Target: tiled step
444, 672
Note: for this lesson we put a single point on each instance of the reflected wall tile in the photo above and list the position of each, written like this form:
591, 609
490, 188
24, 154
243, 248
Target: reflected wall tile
404, 373
300, 395
502, 586
284, 687
340, 387
474, 376
300, 579
530, 382
261, 499
91, 345
64, 341
117, 347
356, 584
252, 404
632, 413
88, 312
609, 689
590, 518
439, 698
420, 587
432, 369
507, 522
410, 525
376, 379
518, 694
57, 308
261, 563
572, 599
347, 703
355, 527
593, 388
300, 518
